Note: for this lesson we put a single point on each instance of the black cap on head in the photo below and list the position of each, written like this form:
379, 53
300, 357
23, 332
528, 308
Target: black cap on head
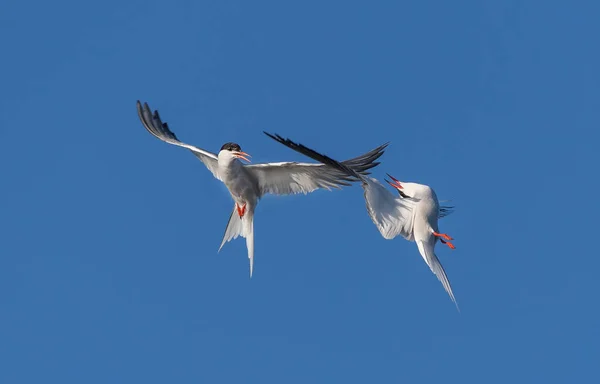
231, 147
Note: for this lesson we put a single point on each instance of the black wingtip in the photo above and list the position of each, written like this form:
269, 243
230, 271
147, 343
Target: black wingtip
383, 146
270, 135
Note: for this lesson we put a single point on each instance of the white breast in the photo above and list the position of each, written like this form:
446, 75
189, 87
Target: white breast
237, 181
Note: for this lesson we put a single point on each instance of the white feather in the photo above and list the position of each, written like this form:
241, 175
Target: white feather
392, 215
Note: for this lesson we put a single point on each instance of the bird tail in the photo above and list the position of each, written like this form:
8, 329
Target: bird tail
426, 251
249, 235
244, 227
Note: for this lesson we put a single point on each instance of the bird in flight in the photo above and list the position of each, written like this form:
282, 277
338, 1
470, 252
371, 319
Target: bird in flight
247, 183
413, 214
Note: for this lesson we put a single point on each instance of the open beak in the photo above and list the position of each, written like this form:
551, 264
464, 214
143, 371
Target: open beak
395, 183
242, 155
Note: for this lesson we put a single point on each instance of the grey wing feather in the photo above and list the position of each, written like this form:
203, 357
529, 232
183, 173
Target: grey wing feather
288, 178
356, 167
160, 130
292, 177
361, 164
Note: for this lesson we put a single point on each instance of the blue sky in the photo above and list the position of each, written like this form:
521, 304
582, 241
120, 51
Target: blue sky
109, 271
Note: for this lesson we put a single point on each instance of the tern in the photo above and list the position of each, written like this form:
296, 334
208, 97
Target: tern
248, 183
413, 214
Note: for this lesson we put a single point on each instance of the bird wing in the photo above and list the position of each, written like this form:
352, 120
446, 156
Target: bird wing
392, 215
292, 177
426, 251
156, 127
445, 211
289, 177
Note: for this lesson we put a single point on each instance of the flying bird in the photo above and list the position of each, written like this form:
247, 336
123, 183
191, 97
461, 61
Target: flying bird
248, 183
413, 214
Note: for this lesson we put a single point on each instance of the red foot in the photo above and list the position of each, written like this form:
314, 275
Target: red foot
241, 210
442, 235
449, 244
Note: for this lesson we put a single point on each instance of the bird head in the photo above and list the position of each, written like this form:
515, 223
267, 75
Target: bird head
404, 189
411, 190
230, 151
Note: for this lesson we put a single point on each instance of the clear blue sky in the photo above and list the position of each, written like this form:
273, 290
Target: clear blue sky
109, 271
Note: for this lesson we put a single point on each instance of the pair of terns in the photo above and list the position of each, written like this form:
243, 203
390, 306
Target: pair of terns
413, 214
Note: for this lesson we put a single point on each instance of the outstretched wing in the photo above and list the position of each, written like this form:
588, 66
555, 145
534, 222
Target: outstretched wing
157, 128
391, 215
291, 177
355, 168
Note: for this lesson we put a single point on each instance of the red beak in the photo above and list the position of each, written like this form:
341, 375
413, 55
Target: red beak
395, 183
242, 155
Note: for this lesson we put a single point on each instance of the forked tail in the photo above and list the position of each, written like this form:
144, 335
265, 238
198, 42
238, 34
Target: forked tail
244, 227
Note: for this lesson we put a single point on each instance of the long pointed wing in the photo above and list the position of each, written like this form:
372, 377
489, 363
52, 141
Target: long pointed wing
391, 215
160, 130
292, 177
353, 167
426, 251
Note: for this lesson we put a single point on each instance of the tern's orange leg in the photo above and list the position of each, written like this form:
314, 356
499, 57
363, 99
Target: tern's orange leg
241, 210
449, 244
442, 235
